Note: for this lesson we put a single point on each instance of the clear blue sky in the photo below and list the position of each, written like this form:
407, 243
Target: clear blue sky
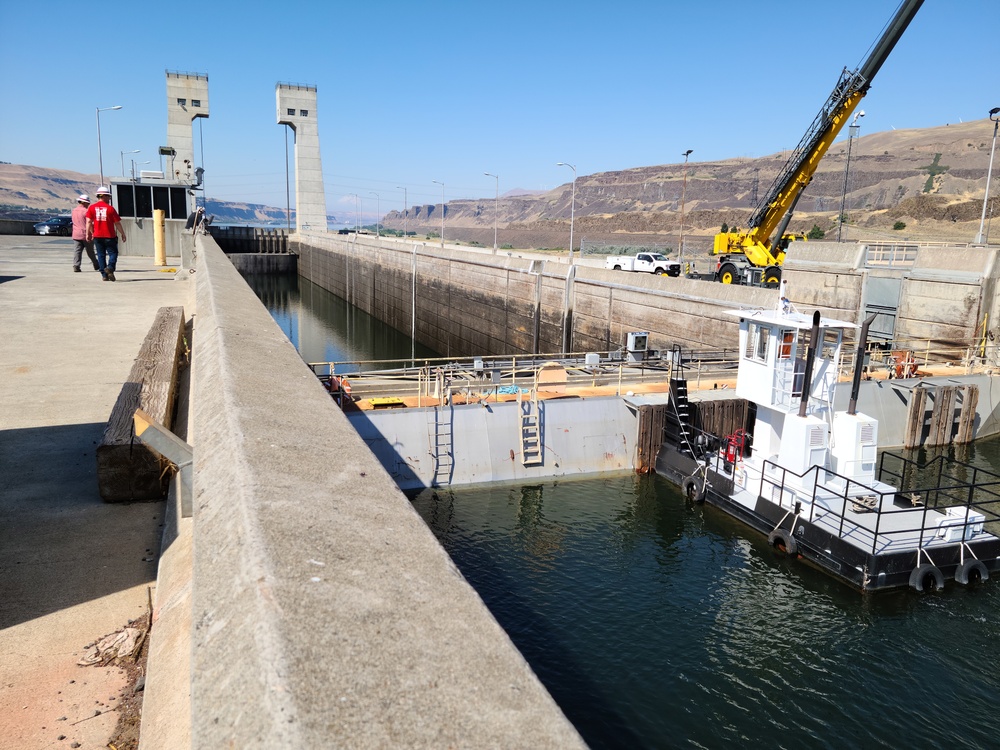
420, 91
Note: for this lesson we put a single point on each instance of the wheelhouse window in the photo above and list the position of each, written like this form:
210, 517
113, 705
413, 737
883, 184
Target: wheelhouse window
756, 345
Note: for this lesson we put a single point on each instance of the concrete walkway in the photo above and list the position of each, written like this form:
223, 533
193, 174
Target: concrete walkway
72, 568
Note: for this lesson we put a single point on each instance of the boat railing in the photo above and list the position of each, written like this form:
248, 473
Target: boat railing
960, 495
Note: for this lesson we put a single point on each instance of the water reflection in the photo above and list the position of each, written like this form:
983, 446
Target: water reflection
325, 328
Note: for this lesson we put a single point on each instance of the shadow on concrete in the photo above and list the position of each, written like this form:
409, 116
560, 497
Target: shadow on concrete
9, 278
60, 544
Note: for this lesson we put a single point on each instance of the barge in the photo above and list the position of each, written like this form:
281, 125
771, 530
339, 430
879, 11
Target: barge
811, 478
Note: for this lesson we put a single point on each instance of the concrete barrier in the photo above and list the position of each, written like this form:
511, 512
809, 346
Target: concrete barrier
325, 612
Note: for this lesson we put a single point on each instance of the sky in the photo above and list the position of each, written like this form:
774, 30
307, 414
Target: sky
413, 92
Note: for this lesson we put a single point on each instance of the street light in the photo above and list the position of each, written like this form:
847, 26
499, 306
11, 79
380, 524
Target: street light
378, 211
404, 210
123, 160
684, 185
140, 163
995, 116
357, 225
442, 211
572, 208
100, 156
852, 133
496, 212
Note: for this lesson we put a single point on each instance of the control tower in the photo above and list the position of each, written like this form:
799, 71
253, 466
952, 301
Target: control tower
187, 98
297, 108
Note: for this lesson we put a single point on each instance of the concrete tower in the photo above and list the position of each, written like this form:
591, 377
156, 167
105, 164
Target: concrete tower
187, 98
297, 108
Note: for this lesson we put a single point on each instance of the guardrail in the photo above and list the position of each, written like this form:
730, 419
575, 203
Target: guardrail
482, 377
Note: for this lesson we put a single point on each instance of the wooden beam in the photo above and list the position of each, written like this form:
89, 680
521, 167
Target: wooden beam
126, 469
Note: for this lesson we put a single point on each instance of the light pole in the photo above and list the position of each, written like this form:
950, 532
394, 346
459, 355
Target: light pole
404, 210
496, 210
136, 151
995, 116
852, 133
442, 211
140, 163
357, 225
100, 156
572, 208
378, 210
684, 185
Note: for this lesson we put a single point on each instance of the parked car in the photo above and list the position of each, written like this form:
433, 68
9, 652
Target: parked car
59, 225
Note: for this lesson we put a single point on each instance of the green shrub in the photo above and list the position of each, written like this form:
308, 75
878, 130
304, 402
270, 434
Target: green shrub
899, 225
816, 233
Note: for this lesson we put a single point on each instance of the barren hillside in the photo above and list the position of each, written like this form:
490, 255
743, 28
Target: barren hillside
931, 180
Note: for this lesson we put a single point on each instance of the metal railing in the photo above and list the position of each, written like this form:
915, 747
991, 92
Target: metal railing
920, 489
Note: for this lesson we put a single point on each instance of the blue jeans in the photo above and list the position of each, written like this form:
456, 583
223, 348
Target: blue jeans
106, 246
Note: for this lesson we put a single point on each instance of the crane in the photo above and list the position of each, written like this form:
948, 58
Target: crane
763, 243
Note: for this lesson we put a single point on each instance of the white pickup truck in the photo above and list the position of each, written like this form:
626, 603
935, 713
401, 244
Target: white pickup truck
645, 263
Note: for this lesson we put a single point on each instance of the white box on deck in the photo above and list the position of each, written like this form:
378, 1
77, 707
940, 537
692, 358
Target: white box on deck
950, 527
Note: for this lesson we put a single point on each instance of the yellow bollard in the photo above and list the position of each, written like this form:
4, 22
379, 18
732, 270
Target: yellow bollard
159, 250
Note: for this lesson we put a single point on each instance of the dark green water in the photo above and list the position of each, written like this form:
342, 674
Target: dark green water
656, 623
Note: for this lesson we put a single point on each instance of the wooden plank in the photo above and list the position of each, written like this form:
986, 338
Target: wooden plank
967, 415
942, 416
916, 415
126, 469
645, 440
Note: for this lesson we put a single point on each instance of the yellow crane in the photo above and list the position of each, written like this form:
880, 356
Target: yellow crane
763, 243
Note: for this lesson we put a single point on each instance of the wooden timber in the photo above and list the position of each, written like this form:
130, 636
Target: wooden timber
126, 469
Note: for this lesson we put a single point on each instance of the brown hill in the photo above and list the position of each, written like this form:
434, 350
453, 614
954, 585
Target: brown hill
930, 179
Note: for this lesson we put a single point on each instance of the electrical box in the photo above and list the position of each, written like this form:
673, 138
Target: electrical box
637, 343
592, 359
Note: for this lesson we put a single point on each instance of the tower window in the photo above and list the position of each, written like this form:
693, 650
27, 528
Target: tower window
304, 112
182, 102
290, 111
196, 102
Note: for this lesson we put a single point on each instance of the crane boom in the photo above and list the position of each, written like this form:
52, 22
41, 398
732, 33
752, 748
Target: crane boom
776, 207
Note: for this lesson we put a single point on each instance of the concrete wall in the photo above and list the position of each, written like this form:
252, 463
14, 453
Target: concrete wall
476, 303
945, 292
17, 226
325, 612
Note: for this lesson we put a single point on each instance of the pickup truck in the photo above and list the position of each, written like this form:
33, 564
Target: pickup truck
645, 263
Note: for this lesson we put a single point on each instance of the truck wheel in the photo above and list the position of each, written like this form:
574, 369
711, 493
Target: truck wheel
772, 276
618, 268
728, 274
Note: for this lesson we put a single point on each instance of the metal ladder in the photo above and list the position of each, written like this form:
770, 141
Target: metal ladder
531, 438
440, 444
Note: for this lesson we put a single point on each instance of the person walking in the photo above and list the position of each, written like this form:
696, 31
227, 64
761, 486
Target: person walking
80, 234
104, 227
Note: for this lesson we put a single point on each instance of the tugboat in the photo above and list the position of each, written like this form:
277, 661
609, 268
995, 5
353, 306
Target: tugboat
810, 477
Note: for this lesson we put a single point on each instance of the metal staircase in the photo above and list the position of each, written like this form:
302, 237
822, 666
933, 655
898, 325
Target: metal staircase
531, 434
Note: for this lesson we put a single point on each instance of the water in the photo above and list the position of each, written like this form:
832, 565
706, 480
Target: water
324, 328
657, 623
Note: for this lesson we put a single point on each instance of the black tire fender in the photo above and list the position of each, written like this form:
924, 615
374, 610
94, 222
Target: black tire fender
693, 489
924, 574
783, 541
971, 571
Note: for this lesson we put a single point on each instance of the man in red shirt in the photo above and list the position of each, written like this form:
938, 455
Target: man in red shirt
104, 227
80, 234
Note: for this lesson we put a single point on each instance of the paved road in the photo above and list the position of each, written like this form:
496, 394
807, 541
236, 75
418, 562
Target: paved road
72, 568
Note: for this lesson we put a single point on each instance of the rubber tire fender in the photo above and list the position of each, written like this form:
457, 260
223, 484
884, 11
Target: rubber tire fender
693, 489
779, 538
918, 578
971, 571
